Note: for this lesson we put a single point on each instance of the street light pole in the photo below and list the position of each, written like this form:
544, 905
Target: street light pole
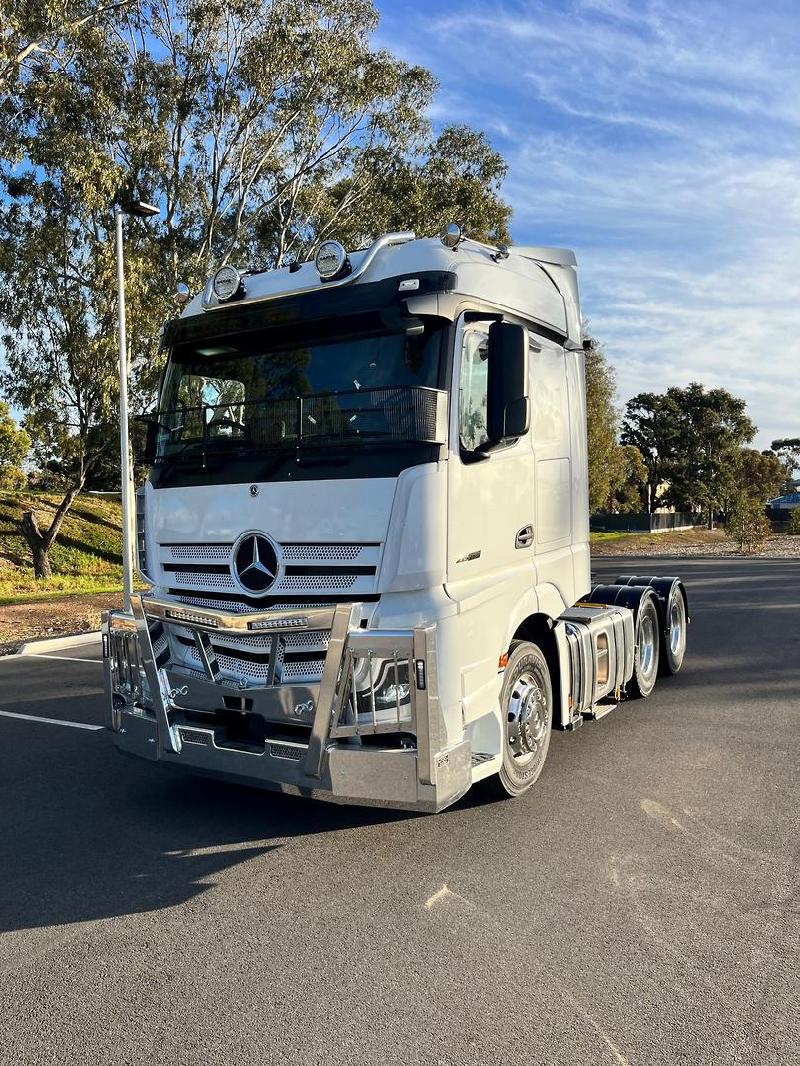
124, 444
141, 210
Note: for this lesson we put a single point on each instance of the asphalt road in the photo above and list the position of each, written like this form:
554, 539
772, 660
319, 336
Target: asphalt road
639, 906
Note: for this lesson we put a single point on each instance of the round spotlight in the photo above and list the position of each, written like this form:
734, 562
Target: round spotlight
228, 283
331, 261
452, 235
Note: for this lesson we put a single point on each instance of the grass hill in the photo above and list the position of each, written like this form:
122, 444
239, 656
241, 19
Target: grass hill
86, 558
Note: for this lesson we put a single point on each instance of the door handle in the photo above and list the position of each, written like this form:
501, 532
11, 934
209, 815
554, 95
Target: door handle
524, 538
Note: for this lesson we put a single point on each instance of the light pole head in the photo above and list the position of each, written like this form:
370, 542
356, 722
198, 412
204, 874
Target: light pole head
140, 209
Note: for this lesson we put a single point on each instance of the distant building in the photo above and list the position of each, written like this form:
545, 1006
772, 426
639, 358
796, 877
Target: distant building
787, 501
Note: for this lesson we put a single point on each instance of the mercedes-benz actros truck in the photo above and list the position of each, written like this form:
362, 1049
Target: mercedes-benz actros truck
365, 532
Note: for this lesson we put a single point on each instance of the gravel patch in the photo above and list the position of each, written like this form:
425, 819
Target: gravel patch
779, 546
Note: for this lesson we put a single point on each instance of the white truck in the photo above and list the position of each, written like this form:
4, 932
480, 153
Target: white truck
365, 532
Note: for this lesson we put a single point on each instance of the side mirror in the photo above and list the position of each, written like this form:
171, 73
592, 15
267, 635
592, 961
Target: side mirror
508, 412
152, 427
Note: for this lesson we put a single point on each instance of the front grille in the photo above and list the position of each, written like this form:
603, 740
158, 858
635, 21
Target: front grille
201, 575
311, 575
259, 658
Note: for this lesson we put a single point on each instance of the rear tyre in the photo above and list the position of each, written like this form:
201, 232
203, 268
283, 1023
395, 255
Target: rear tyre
526, 700
645, 669
674, 647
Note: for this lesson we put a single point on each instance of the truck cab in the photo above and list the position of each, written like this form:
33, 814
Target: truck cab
365, 532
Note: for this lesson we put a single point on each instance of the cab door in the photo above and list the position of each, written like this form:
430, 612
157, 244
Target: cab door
490, 534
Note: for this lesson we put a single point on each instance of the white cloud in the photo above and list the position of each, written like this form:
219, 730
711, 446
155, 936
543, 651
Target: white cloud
658, 139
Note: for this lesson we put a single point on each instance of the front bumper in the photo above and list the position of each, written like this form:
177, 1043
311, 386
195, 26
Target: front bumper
314, 740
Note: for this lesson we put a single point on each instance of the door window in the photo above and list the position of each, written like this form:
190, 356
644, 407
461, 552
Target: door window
472, 401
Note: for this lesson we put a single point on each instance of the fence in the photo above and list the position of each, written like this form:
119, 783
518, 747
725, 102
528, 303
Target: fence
642, 522
778, 517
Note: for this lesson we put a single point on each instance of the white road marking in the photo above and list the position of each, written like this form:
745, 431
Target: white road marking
66, 658
51, 721
443, 891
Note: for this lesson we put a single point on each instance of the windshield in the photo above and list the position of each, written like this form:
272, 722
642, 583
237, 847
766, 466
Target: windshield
242, 395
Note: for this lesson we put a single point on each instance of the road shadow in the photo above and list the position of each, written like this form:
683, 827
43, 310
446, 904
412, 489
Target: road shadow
88, 834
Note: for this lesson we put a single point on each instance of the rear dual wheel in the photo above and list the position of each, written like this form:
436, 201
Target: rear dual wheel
675, 621
646, 649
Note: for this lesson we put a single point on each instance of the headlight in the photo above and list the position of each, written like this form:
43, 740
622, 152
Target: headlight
383, 684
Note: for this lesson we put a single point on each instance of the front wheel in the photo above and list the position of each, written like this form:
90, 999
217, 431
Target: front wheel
526, 700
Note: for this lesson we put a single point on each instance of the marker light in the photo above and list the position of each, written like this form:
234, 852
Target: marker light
331, 261
228, 283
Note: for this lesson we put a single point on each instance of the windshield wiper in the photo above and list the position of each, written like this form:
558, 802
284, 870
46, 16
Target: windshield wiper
169, 461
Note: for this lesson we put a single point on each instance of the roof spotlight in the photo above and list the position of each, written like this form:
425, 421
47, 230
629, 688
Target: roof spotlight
228, 283
452, 235
331, 261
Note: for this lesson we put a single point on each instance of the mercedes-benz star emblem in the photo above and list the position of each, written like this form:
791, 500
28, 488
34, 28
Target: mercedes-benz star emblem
255, 563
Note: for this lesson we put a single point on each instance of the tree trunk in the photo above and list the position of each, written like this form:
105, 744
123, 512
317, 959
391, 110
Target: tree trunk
40, 548
40, 543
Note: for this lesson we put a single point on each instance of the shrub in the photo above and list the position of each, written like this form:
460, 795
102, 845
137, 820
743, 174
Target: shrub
748, 525
794, 521
12, 479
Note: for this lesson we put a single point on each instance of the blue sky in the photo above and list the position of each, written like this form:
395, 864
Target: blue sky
661, 141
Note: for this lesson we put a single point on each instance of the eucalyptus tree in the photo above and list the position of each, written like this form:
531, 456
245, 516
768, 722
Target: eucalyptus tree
258, 130
691, 440
617, 473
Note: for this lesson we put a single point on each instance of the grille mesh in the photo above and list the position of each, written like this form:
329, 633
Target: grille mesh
286, 751
308, 669
200, 552
322, 552
318, 581
215, 581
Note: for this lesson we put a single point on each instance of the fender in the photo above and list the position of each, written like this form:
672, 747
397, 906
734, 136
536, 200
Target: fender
542, 599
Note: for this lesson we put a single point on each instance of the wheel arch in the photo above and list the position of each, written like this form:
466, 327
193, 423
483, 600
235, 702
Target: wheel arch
535, 620
539, 629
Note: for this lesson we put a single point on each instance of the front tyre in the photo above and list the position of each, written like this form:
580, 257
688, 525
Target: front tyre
526, 700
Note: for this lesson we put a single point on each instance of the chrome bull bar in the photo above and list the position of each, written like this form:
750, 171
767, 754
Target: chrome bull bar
345, 706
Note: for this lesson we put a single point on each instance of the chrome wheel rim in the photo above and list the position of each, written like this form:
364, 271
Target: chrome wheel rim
676, 625
526, 718
647, 646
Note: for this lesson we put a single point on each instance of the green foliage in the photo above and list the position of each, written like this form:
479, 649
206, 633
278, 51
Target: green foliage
601, 425
748, 525
690, 439
14, 446
258, 129
793, 526
759, 475
628, 479
787, 449
617, 474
